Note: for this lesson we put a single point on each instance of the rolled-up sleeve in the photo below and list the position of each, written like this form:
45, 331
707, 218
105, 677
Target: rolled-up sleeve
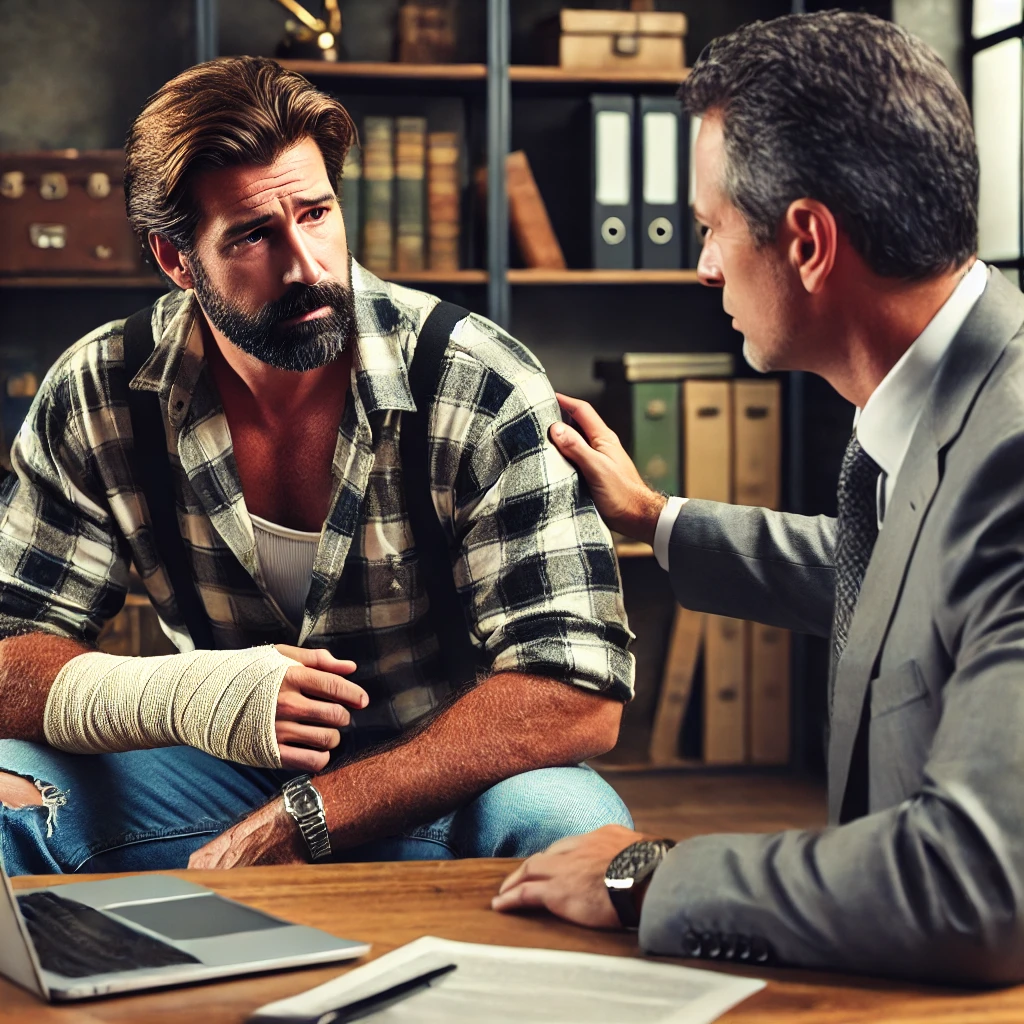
61, 568
537, 571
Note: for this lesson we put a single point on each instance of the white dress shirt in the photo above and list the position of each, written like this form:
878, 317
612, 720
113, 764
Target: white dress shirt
887, 422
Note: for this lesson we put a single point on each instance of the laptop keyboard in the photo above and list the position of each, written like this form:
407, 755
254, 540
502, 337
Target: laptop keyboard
76, 941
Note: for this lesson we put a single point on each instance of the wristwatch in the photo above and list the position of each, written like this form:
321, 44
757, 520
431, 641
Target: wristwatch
303, 803
628, 872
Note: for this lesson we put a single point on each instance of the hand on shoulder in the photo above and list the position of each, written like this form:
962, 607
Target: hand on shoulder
625, 502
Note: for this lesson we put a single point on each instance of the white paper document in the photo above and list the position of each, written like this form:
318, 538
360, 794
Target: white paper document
511, 985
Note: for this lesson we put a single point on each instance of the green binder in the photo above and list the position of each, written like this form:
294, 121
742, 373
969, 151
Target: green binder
656, 433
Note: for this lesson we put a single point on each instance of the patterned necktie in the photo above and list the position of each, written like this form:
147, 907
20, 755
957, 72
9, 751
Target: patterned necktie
857, 533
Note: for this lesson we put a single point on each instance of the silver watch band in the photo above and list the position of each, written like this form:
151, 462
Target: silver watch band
302, 801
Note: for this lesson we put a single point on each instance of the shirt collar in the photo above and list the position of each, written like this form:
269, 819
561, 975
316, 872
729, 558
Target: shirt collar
386, 330
886, 424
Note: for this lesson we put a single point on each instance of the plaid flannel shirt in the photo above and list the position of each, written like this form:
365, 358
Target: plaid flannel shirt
533, 563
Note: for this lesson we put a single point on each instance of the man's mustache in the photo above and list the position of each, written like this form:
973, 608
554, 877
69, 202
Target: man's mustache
301, 299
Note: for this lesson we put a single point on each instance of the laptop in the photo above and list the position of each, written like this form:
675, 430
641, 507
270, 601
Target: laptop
85, 939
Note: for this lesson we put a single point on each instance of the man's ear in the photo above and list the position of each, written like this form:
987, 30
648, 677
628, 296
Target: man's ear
810, 235
171, 260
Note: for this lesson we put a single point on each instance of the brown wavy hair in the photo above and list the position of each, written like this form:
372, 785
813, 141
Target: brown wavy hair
229, 112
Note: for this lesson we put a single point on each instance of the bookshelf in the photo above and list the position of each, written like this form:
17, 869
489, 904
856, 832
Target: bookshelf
388, 69
549, 75
85, 281
430, 277
556, 277
568, 318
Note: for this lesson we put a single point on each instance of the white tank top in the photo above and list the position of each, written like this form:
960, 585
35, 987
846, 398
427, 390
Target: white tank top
286, 558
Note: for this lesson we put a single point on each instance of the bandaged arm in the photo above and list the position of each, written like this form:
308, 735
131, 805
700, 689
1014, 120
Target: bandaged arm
222, 702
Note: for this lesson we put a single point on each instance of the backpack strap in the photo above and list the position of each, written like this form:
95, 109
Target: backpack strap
432, 546
151, 468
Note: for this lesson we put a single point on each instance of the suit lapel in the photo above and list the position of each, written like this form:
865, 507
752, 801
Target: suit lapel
993, 321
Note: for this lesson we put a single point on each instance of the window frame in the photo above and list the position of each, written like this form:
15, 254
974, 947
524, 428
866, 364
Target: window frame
972, 47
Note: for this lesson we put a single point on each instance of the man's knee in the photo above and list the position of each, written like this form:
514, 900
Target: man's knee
527, 813
17, 792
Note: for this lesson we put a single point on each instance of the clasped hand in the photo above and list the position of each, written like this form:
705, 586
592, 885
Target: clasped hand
312, 707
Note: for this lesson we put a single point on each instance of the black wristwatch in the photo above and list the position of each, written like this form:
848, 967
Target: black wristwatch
628, 872
302, 801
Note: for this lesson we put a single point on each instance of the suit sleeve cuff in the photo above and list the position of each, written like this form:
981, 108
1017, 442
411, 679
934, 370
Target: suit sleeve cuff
663, 531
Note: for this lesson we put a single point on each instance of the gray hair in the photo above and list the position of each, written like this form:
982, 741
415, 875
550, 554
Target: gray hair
854, 112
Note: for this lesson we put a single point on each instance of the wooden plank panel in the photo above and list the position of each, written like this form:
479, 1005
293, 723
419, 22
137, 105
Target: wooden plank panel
676, 686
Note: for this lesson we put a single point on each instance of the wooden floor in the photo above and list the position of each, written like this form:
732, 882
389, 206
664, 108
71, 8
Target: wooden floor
679, 804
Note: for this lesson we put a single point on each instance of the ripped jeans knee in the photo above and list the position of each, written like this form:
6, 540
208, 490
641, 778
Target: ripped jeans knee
27, 825
46, 795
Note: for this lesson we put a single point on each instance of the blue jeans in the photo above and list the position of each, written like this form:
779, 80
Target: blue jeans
151, 809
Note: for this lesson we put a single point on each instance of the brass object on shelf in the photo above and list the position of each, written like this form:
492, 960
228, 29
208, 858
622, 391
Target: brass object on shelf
426, 32
309, 37
12, 184
53, 185
97, 185
48, 236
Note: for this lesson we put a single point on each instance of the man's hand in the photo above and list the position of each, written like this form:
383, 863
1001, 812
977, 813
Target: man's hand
568, 878
267, 836
625, 502
311, 707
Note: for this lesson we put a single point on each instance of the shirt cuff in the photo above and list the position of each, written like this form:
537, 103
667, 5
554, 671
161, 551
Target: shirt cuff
663, 531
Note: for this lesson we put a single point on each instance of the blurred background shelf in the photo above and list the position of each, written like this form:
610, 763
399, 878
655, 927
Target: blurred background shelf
86, 281
602, 277
386, 69
436, 276
553, 75
634, 549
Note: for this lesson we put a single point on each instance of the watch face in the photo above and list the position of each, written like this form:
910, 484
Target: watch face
634, 861
302, 801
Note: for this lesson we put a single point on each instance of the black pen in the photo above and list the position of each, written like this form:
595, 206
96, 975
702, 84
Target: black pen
368, 1004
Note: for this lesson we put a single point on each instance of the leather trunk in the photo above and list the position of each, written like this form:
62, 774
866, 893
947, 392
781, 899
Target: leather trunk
62, 212
630, 41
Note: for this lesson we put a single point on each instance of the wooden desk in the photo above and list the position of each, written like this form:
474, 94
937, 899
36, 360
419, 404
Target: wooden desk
390, 904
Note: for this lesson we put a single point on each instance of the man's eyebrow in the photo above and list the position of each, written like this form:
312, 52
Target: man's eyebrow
243, 227
699, 215
327, 197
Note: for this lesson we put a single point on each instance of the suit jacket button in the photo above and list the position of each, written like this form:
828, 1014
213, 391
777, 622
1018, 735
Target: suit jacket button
691, 944
712, 943
760, 951
743, 948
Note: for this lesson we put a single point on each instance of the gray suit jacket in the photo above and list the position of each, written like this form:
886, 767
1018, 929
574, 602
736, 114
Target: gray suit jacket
930, 882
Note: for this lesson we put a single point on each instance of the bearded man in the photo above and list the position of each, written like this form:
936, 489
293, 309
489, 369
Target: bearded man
282, 373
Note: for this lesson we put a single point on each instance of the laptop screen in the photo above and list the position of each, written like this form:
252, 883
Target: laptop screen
196, 917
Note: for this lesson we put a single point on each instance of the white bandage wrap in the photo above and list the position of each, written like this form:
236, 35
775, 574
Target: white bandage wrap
223, 702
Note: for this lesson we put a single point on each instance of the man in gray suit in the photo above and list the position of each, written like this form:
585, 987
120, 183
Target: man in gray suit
837, 185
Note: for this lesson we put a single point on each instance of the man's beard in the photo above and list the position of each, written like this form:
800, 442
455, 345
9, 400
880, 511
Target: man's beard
302, 346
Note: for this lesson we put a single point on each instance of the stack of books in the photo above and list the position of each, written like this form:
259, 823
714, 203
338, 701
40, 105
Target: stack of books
401, 197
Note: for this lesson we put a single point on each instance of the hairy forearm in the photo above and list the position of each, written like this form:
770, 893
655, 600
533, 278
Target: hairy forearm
508, 724
28, 666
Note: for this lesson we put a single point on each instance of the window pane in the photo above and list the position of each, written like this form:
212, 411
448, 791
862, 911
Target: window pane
997, 122
994, 15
